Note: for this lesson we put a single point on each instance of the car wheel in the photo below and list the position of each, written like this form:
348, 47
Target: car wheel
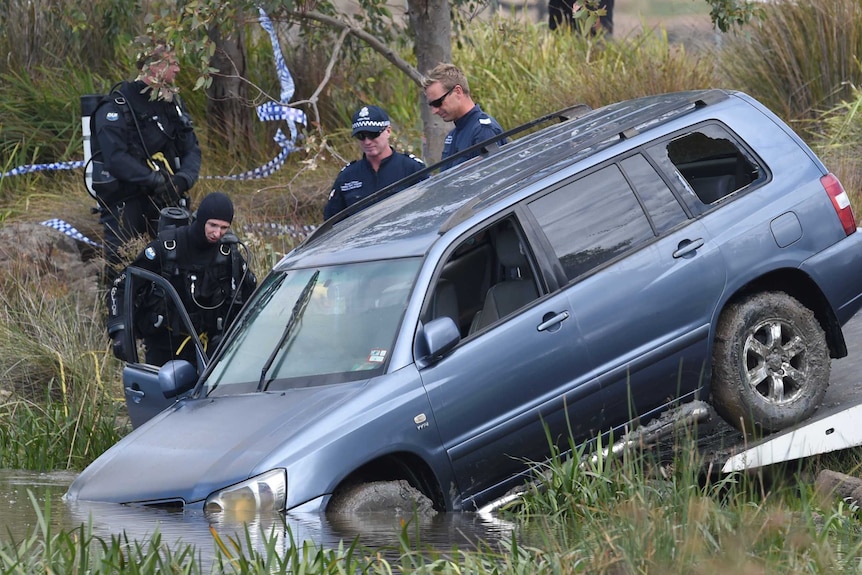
393, 497
770, 364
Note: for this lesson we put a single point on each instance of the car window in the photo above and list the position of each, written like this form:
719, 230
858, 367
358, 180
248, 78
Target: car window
662, 206
343, 323
709, 162
592, 220
488, 277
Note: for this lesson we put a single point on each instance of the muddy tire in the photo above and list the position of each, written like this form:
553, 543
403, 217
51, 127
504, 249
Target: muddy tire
770, 363
392, 497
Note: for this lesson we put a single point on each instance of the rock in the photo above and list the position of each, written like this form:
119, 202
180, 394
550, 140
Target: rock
832, 483
30, 251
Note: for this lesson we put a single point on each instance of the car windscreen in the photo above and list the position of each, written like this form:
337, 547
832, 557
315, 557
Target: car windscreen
316, 326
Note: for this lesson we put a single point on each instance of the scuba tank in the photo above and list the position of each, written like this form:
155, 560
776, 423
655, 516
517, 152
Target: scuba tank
173, 217
89, 103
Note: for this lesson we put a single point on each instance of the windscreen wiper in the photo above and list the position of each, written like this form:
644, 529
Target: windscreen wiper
295, 315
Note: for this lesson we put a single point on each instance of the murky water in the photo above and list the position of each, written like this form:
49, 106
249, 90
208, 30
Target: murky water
19, 517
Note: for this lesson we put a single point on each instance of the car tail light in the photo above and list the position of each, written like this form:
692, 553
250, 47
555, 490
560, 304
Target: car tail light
840, 201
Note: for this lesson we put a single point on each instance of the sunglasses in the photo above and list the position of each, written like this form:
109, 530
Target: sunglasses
439, 101
362, 136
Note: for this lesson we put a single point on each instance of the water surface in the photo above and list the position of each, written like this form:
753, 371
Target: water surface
19, 518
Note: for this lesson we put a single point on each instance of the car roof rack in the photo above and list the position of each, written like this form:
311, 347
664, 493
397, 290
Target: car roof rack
624, 130
485, 147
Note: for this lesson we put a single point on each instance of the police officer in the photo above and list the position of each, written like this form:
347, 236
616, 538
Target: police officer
202, 262
148, 144
379, 166
448, 95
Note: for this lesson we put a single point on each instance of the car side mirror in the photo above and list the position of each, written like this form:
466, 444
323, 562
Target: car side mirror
436, 338
177, 377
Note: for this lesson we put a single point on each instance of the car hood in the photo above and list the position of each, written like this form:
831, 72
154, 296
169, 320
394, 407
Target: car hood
198, 446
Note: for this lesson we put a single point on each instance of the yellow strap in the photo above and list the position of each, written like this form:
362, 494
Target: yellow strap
163, 161
204, 339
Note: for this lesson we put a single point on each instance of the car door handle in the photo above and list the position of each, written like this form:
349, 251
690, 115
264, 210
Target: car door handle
136, 394
552, 321
687, 248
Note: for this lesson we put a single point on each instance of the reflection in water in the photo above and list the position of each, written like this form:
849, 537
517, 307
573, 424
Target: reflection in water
377, 531
18, 516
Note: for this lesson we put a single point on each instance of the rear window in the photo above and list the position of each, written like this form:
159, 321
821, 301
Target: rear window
709, 162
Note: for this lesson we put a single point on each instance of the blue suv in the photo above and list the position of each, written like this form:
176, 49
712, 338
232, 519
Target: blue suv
577, 281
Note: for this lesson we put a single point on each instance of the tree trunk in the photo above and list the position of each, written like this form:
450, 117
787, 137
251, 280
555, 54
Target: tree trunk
228, 118
432, 28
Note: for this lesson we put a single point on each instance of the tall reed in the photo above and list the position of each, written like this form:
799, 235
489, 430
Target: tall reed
65, 403
801, 59
637, 512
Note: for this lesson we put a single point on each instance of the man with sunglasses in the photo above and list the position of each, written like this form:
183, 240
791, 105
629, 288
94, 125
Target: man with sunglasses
448, 95
379, 166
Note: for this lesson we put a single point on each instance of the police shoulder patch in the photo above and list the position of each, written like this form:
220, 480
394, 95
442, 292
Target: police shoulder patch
485, 121
150, 253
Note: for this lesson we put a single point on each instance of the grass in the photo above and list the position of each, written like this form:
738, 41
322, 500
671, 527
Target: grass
637, 513
63, 410
800, 61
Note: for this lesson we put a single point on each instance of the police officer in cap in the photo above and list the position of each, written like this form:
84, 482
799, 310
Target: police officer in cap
202, 262
379, 166
148, 145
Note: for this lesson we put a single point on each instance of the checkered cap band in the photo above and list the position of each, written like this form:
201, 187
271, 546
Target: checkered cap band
370, 119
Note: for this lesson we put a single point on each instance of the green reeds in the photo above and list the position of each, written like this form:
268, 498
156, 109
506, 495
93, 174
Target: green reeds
800, 59
62, 400
633, 511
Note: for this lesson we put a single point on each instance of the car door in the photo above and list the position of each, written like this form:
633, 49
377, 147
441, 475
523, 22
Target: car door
141, 387
644, 280
509, 378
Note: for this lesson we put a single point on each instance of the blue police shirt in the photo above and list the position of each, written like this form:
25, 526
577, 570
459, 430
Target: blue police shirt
473, 127
358, 179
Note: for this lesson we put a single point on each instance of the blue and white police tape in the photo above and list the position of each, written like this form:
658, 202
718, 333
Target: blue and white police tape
285, 80
264, 229
271, 166
273, 229
276, 111
30, 168
70, 231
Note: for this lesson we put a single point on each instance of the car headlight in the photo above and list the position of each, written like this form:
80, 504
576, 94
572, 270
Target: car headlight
265, 492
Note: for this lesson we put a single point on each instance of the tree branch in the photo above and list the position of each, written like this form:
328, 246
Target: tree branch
314, 97
369, 39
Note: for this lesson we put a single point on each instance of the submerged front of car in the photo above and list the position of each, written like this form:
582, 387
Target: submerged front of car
308, 366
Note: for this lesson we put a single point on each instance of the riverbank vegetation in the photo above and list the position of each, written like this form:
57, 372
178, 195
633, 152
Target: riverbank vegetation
633, 513
61, 403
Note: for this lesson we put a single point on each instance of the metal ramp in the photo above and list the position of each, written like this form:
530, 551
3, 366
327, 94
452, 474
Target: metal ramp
839, 430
